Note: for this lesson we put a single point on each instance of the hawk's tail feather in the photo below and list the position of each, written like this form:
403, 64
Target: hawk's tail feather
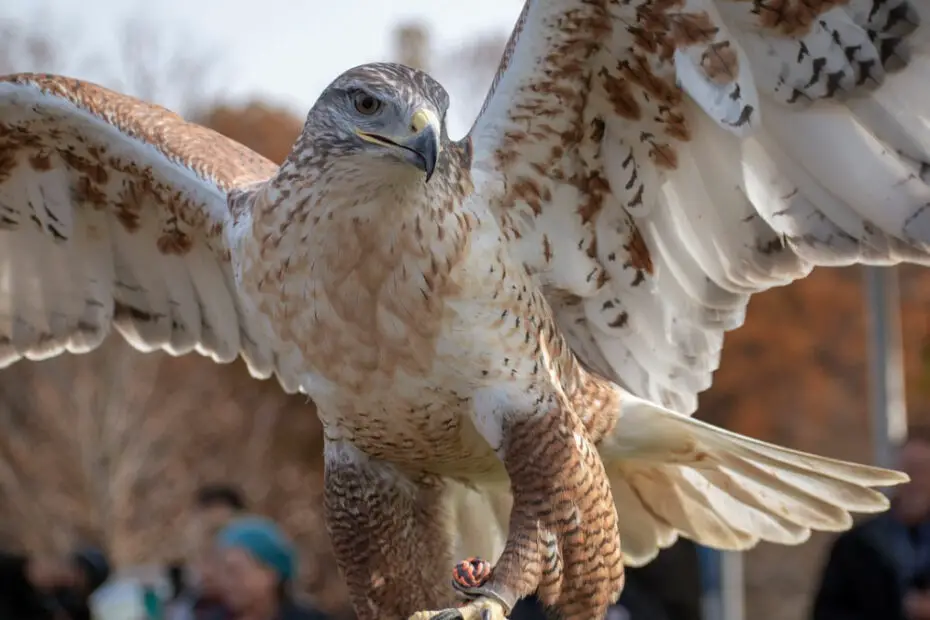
674, 475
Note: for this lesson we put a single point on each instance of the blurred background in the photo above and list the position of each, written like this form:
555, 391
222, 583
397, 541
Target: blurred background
110, 447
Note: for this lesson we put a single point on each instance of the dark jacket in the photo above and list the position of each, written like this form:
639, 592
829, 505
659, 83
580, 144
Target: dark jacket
204, 609
297, 611
868, 572
20, 600
291, 610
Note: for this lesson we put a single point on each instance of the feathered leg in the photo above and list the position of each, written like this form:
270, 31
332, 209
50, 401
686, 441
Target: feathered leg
389, 534
563, 539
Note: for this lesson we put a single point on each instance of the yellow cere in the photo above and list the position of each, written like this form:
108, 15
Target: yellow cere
422, 118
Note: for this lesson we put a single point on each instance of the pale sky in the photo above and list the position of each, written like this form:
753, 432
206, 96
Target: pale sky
285, 51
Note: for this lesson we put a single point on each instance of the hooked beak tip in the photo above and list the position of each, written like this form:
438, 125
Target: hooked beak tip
420, 148
425, 141
427, 148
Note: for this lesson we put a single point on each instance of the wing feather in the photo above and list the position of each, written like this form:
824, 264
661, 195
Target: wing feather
656, 163
114, 213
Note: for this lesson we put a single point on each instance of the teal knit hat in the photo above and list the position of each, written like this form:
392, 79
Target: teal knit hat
264, 541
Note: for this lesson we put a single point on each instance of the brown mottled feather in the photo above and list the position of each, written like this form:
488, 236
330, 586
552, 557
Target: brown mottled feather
210, 155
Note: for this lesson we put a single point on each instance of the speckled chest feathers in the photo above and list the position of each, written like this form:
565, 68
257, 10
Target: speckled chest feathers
357, 266
365, 275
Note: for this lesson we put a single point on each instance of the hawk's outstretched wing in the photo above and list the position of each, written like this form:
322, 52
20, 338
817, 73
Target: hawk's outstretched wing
113, 212
657, 162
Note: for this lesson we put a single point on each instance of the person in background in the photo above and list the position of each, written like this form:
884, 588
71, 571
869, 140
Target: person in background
257, 571
34, 588
881, 567
197, 590
215, 505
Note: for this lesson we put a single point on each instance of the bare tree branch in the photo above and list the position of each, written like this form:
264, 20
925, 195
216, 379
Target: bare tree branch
466, 70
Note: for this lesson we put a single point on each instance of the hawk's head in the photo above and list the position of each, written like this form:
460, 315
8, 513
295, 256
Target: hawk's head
389, 112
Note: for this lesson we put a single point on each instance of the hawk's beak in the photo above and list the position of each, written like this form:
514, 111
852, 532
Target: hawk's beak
424, 141
421, 147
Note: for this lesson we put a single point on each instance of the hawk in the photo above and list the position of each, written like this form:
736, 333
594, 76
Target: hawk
530, 310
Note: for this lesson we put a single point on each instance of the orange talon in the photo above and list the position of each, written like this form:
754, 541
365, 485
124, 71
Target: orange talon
471, 573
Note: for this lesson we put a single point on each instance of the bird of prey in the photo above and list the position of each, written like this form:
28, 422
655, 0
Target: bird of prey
533, 308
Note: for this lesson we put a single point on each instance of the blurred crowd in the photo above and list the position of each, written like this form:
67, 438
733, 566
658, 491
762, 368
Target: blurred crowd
243, 567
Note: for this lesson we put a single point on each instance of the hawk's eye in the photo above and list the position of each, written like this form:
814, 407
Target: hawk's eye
366, 104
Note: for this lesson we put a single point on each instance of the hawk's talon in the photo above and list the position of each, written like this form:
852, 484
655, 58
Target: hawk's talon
482, 608
470, 574
470, 579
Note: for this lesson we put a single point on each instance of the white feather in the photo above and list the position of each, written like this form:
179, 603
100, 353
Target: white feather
70, 271
724, 490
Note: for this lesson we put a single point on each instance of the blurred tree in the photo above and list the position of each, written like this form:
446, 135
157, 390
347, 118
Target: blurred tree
268, 130
466, 71
162, 67
412, 45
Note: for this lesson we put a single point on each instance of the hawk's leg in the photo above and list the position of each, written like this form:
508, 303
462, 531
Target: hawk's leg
563, 540
388, 533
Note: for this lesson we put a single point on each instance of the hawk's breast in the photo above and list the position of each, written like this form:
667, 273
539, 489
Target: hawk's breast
395, 317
